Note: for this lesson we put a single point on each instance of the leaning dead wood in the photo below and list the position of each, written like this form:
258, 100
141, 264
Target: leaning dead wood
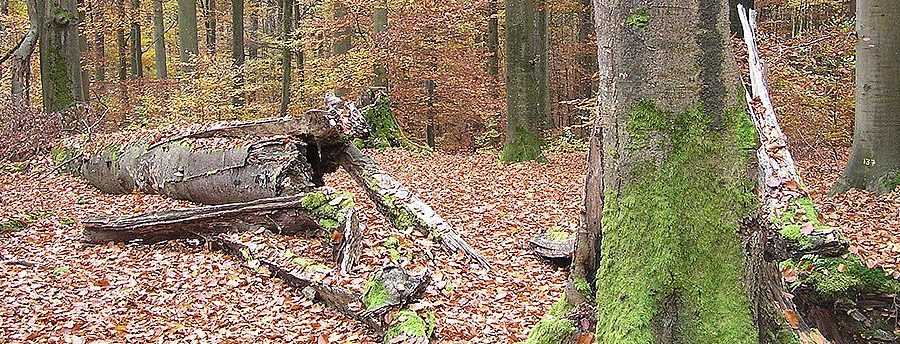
285, 215
400, 205
340, 299
350, 243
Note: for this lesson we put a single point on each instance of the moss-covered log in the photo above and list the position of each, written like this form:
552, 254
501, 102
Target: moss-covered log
405, 210
393, 288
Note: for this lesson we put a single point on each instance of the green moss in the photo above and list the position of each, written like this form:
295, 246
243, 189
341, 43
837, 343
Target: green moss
386, 131
639, 19
61, 154
558, 234
583, 288
836, 277
410, 324
673, 232
561, 307
328, 210
523, 146
888, 182
792, 232
11, 226
798, 214
313, 200
374, 294
550, 330
745, 132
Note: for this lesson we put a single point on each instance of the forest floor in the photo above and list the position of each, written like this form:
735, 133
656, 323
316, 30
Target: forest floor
182, 290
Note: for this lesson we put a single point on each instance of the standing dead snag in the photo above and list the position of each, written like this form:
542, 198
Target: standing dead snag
400, 205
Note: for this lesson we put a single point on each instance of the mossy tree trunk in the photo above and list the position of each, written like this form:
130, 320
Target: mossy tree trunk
137, 69
159, 40
875, 160
60, 54
667, 184
187, 33
527, 79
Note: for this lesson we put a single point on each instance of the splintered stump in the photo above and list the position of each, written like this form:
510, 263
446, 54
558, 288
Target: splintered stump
310, 212
405, 210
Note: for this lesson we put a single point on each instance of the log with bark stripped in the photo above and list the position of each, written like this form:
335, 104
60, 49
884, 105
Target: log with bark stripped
405, 210
310, 212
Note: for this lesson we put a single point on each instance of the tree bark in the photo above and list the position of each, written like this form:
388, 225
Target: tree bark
283, 215
137, 68
875, 159
254, 31
21, 62
400, 205
287, 7
100, 41
60, 55
493, 39
187, 33
666, 180
527, 79
343, 42
159, 40
121, 44
380, 20
211, 23
237, 50
4, 7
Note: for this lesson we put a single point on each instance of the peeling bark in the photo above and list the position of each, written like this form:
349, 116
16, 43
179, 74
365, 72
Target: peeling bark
400, 205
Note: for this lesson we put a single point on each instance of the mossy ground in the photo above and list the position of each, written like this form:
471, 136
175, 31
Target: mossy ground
553, 327
374, 294
410, 324
524, 146
673, 232
836, 277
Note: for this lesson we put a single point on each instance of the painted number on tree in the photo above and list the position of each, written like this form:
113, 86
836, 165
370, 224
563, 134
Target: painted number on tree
869, 162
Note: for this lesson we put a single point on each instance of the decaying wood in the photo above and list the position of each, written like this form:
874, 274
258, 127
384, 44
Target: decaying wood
842, 321
347, 251
340, 299
549, 248
284, 215
267, 168
400, 205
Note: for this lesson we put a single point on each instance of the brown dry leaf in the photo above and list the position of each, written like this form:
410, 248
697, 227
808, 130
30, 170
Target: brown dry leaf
789, 274
585, 338
792, 317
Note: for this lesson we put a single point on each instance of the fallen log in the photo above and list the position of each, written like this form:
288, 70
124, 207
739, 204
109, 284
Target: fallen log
310, 212
393, 288
340, 299
405, 210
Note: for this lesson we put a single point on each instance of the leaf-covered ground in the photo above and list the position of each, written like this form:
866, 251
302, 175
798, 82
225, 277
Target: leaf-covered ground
182, 290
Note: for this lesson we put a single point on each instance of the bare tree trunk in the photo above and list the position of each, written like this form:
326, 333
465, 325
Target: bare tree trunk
875, 160
237, 49
493, 39
187, 33
4, 7
137, 68
121, 44
159, 40
527, 80
211, 23
254, 32
21, 62
343, 41
380, 19
287, 7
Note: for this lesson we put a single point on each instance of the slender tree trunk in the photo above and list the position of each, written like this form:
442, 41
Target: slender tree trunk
100, 46
121, 45
60, 54
237, 49
587, 49
211, 23
342, 42
137, 68
301, 58
4, 7
287, 6
432, 113
527, 79
84, 48
254, 33
21, 62
875, 160
380, 19
159, 39
493, 40
187, 33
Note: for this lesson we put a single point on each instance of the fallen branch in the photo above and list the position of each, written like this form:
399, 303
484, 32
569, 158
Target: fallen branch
284, 215
405, 210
